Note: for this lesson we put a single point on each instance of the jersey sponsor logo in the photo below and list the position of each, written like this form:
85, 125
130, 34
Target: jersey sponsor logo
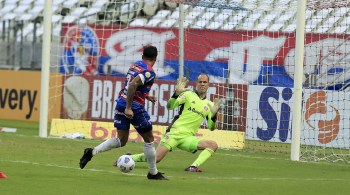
316, 104
195, 111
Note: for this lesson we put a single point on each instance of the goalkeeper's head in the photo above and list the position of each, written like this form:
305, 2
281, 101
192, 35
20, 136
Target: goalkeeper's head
202, 84
150, 54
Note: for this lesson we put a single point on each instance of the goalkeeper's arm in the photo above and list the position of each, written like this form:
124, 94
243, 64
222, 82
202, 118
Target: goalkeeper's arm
211, 122
172, 103
214, 108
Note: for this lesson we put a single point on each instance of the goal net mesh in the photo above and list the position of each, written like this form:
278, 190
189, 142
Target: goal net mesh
247, 47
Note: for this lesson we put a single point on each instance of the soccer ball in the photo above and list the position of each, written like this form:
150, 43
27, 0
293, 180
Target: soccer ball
125, 163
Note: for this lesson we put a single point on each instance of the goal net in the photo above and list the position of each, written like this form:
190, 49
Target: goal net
247, 47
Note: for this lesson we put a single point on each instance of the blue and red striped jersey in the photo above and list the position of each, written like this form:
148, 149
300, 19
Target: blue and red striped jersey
147, 75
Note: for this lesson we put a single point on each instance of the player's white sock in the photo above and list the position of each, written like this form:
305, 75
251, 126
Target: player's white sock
150, 154
106, 145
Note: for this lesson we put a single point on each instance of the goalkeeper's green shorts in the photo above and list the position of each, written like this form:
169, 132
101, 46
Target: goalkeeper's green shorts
184, 142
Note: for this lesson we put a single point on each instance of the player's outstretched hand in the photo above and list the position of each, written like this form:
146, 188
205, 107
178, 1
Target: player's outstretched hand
180, 86
216, 106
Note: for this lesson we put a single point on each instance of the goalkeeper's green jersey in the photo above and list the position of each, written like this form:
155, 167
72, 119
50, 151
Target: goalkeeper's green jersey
192, 113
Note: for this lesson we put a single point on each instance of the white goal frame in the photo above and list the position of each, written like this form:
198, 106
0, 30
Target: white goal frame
300, 34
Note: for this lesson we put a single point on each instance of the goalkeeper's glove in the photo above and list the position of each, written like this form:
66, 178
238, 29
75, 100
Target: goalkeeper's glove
215, 107
180, 86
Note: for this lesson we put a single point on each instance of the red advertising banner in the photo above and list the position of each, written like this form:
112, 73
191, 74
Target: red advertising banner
93, 98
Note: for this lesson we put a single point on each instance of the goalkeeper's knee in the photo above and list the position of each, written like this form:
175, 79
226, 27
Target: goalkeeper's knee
212, 145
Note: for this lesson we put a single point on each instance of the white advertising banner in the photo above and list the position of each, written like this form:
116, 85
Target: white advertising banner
325, 116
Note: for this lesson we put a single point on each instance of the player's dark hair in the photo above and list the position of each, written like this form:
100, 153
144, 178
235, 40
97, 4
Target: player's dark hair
203, 75
149, 52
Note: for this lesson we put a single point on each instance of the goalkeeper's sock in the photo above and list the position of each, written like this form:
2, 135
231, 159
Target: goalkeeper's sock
150, 153
203, 156
139, 157
106, 145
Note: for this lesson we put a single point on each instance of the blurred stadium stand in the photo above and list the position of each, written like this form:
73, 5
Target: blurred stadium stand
21, 20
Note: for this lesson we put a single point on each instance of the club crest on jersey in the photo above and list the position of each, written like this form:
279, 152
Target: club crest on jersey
147, 74
206, 108
80, 43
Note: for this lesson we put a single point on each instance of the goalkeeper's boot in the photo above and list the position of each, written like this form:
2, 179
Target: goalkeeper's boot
158, 176
193, 169
86, 157
139, 157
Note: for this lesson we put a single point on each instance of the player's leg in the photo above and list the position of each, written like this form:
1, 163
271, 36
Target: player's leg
167, 143
143, 126
111, 143
161, 152
208, 147
192, 144
123, 125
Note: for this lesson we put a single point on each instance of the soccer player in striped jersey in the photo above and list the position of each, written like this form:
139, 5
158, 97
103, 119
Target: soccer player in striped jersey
194, 107
130, 109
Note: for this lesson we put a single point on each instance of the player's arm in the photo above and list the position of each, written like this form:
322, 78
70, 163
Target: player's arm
132, 86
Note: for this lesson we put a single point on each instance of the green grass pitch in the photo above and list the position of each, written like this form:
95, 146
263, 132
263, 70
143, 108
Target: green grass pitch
37, 166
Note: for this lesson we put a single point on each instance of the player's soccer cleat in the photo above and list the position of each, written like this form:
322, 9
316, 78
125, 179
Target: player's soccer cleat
193, 169
158, 176
86, 157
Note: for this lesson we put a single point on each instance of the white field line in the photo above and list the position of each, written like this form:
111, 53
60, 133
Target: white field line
207, 178
217, 153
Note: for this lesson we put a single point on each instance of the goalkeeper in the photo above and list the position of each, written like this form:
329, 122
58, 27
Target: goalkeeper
194, 107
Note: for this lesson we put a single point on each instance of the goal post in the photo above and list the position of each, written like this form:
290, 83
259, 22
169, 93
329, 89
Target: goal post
45, 71
280, 67
298, 80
